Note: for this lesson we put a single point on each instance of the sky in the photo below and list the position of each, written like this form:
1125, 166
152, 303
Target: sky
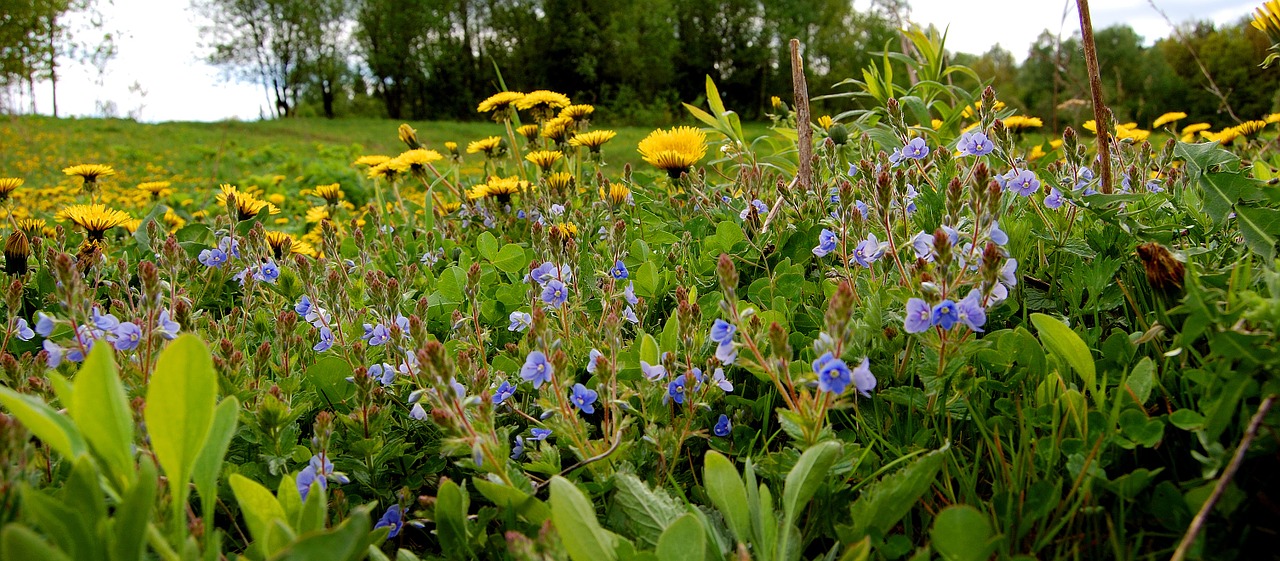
159, 50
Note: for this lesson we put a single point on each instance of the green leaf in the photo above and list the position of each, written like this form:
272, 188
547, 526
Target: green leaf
1142, 379
649, 350
808, 474
349, 541
209, 462
328, 375
134, 513
647, 512
647, 280
100, 408
961, 533
1260, 228
729, 234
487, 245
511, 259
575, 521
882, 506
506, 496
858, 551
684, 540
180, 401
1223, 189
1141, 429
260, 509
48, 425
1187, 419
1063, 342
19, 542
451, 520
727, 492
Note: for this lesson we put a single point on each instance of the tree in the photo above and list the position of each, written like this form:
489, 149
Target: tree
34, 34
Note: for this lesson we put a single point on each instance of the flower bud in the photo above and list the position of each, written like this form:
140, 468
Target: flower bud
409, 136
16, 252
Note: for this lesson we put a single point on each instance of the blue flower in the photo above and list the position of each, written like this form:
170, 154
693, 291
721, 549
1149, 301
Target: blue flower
554, 293
916, 149
619, 270
326, 340
975, 144
945, 314
520, 321
44, 324
376, 335
229, 246
418, 412
268, 272
23, 330
536, 369
862, 208
504, 391
583, 398
833, 374
1025, 183
723, 426
54, 352
459, 390
384, 373
826, 243
970, 312
548, 271
923, 244
997, 235
1054, 199
1009, 273
306, 478
243, 274
863, 380
391, 519
630, 315
125, 336
722, 331
652, 372
869, 251
919, 317
212, 258
518, 449
629, 294
540, 434
676, 389
592, 356
166, 327
721, 381
726, 352
104, 322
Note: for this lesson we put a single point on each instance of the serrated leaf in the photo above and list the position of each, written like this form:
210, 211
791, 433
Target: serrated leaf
1222, 190
648, 511
1260, 228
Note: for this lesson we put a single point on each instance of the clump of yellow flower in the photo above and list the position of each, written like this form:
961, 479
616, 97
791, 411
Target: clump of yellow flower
96, 219
415, 161
500, 188
577, 112
1168, 118
8, 185
157, 189
247, 205
616, 195
825, 122
372, 160
331, 193
1019, 122
674, 151
489, 146
542, 104
1250, 128
500, 105
592, 139
529, 132
544, 159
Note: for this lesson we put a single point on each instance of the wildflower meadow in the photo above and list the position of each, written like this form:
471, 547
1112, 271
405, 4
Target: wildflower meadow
927, 328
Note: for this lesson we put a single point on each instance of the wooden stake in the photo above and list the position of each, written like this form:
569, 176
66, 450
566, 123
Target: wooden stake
804, 131
1101, 122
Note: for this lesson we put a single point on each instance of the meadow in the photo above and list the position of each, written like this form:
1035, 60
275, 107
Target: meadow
923, 328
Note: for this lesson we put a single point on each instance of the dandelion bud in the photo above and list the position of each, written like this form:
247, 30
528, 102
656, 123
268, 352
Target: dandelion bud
16, 252
838, 134
409, 136
1164, 271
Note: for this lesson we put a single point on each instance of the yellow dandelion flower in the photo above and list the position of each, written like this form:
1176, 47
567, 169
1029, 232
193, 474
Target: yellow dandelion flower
331, 193
1168, 118
317, 213
281, 221
775, 101
1195, 128
131, 225
8, 185
529, 132
408, 136
451, 148
247, 205
825, 122
577, 112
32, 227
199, 214
544, 159
560, 182
384, 171
282, 243
592, 139
564, 230
617, 195
500, 188
276, 198
371, 161
542, 100
1124, 132
1250, 128
499, 102
1272, 118
415, 161
972, 109
489, 146
558, 129
674, 151
1267, 18
1036, 153
96, 219
89, 172
1224, 136
157, 189
445, 208
173, 221
1091, 125
1019, 122
935, 124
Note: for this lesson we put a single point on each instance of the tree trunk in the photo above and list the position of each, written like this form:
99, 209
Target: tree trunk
53, 64
326, 98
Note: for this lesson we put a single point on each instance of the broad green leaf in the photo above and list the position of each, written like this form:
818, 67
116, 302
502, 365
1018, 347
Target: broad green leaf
858, 551
1223, 189
961, 533
100, 408
134, 513
684, 540
808, 474
451, 520
180, 401
349, 541
506, 496
727, 492
1142, 379
19, 542
48, 425
1068, 346
205, 471
328, 375
575, 521
487, 245
1187, 419
1260, 228
647, 280
729, 233
883, 505
1136, 426
649, 350
260, 509
511, 259
648, 512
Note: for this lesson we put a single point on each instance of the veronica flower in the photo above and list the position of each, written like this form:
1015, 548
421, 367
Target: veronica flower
518, 449
923, 244
916, 149
125, 336
504, 392
895, 157
629, 294
1009, 273
459, 390
969, 312
726, 352
243, 274
23, 331
976, 144
1054, 199
376, 335
919, 316
722, 331
548, 271
418, 412
44, 324
554, 293
267, 273
997, 235
229, 246
721, 381
391, 519
318, 317
675, 390
539, 434
630, 315
619, 270
212, 258
536, 369
1024, 183
326, 340
863, 380
54, 353
306, 478
104, 322
862, 209
1154, 186
583, 398
869, 251
166, 327
723, 426
761, 209
520, 321
945, 314
826, 243
652, 372
833, 374
384, 373
592, 357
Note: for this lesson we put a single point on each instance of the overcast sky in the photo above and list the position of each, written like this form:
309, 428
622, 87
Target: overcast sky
159, 49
